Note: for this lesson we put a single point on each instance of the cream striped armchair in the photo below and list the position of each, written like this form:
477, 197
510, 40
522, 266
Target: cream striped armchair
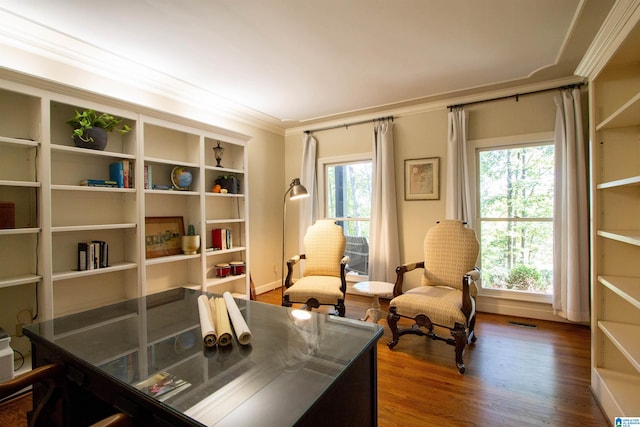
446, 297
323, 280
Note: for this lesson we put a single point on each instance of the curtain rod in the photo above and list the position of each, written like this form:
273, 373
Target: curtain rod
346, 125
516, 96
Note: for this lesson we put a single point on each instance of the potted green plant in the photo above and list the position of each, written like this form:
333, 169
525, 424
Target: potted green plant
90, 128
190, 242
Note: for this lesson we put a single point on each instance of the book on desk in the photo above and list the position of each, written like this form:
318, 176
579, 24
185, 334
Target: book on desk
163, 385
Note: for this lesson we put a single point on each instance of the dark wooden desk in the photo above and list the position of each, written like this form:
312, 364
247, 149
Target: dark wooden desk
295, 372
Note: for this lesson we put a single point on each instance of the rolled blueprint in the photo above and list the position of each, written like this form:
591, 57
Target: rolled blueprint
223, 326
207, 325
239, 325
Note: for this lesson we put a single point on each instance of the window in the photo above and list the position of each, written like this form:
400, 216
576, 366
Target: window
346, 197
515, 186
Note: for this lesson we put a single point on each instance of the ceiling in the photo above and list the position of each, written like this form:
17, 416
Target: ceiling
296, 62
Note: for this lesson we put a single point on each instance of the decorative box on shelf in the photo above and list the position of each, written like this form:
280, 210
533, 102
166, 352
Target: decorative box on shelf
7, 215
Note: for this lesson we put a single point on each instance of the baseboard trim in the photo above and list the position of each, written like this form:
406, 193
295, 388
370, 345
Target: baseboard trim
267, 287
509, 307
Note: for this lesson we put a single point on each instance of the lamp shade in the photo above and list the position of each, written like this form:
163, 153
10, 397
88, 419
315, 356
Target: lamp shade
298, 190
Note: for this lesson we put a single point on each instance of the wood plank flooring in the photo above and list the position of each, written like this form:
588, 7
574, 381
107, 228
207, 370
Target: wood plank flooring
516, 375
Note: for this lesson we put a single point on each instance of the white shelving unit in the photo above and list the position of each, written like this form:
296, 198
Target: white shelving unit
41, 172
164, 148
20, 187
613, 68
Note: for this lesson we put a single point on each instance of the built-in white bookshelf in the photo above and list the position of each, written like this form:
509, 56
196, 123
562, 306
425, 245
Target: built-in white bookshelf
41, 173
613, 68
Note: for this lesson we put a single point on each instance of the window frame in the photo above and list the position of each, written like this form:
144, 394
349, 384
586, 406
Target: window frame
510, 141
321, 165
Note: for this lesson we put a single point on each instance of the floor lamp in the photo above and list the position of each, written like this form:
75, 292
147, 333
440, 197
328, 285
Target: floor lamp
295, 191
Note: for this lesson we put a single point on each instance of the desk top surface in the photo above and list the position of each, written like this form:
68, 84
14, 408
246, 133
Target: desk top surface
288, 365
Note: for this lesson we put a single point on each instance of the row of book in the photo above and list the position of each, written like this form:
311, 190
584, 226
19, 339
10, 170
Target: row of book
148, 177
120, 176
221, 239
122, 173
93, 255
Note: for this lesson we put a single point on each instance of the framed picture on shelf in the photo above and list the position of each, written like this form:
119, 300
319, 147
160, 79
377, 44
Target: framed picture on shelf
163, 235
422, 179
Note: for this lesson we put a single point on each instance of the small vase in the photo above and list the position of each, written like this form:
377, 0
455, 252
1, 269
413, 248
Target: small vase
190, 244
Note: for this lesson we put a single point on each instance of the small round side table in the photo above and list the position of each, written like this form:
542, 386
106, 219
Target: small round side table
376, 289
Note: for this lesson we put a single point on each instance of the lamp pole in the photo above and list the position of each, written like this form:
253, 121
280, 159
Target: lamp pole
295, 191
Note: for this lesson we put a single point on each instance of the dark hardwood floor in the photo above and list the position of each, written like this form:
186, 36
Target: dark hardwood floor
516, 375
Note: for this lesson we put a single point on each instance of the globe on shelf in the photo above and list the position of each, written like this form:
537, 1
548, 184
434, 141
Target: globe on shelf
181, 178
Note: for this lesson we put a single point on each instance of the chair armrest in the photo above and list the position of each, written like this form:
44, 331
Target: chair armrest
116, 420
294, 259
467, 305
290, 263
343, 274
475, 274
51, 373
400, 270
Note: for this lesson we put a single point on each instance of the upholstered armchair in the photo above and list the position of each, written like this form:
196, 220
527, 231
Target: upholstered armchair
446, 297
323, 279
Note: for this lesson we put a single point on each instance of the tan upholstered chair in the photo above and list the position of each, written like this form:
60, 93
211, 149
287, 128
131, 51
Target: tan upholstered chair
447, 295
323, 280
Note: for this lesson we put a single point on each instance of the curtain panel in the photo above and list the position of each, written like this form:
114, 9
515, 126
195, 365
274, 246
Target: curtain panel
308, 178
384, 247
458, 196
571, 209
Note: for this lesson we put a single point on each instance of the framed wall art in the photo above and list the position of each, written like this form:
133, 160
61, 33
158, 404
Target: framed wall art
163, 236
422, 179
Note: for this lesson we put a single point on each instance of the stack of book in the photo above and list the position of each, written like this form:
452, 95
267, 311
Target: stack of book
221, 239
93, 255
98, 183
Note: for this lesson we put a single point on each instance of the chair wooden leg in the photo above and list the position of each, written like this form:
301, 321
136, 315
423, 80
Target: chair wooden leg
392, 321
285, 301
340, 308
459, 333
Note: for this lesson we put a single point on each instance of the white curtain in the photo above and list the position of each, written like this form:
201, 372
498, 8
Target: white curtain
571, 222
384, 249
458, 197
308, 205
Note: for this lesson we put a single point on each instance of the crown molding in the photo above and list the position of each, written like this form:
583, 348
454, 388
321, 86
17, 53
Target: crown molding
75, 63
618, 24
442, 104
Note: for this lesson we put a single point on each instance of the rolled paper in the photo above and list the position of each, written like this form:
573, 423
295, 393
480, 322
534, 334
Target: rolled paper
207, 325
223, 326
239, 325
